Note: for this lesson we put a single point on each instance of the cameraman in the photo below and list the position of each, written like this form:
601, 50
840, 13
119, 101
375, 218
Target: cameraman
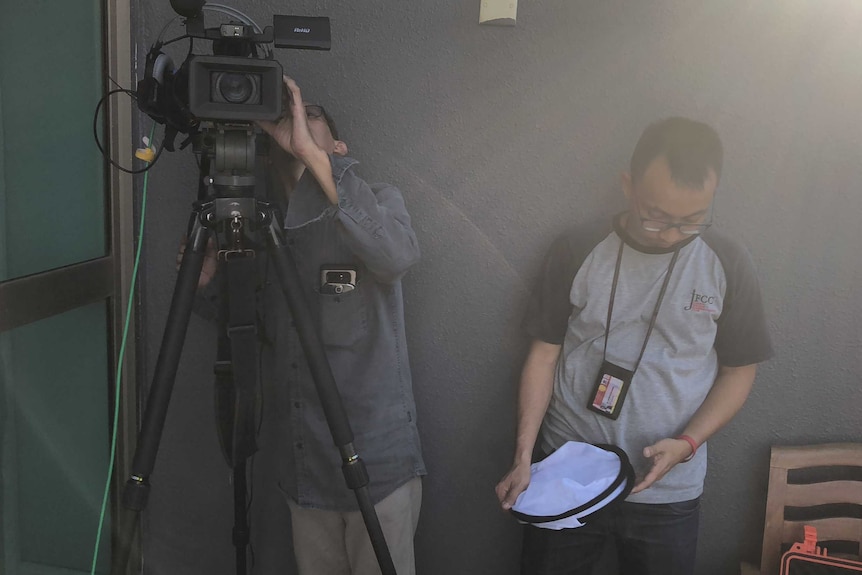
337, 223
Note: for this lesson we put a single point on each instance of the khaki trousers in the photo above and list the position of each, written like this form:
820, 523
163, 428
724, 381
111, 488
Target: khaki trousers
337, 543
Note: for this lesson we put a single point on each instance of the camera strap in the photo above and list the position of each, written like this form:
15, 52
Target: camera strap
237, 386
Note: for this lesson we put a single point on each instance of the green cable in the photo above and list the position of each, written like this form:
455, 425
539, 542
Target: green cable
120, 366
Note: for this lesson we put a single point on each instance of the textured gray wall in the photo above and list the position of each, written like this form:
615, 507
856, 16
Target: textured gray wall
501, 138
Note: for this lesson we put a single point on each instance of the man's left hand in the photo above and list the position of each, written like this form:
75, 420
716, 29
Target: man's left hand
291, 132
664, 454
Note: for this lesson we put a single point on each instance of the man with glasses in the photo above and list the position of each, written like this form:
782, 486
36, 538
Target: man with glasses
647, 337
352, 243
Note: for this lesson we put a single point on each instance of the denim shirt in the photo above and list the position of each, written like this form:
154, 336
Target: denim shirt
363, 335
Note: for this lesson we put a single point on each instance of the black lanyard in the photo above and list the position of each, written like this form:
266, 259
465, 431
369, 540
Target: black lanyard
654, 312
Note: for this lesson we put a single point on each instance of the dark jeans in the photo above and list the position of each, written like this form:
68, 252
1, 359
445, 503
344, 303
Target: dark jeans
650, 540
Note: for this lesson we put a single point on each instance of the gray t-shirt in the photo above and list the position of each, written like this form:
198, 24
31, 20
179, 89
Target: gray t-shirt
711, 315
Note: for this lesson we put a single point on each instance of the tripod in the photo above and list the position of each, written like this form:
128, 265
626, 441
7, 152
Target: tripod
234, 209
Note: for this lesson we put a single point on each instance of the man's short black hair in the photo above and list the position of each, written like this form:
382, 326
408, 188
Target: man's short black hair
691, 148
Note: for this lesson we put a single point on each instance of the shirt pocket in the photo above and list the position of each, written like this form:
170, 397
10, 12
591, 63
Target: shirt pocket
343, 318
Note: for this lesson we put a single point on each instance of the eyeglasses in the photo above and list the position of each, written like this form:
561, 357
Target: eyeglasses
657, 226
314, 111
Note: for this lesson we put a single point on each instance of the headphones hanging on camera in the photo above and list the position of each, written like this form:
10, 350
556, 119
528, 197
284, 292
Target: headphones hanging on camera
162, 94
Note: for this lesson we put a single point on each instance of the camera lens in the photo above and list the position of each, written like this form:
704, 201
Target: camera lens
236, 88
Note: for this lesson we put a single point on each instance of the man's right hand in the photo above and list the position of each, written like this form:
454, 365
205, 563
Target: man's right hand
210, 261
534, 395
513, 484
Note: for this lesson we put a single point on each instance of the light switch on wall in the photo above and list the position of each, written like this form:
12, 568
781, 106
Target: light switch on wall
498, 12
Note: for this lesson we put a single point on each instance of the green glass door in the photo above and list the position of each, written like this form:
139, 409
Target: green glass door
55, 357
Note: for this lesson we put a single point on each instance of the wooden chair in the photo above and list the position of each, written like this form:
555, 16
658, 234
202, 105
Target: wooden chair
819, 489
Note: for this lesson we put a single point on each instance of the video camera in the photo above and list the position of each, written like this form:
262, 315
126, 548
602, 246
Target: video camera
239, 83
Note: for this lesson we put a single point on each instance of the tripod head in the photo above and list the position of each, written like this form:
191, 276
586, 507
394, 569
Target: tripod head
233, 148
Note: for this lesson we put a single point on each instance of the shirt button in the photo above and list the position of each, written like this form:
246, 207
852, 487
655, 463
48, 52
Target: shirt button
299, 445
294, 365
296, 404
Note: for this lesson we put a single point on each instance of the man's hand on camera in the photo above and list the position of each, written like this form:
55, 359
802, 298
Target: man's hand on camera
210, 261
291, 132
294, 136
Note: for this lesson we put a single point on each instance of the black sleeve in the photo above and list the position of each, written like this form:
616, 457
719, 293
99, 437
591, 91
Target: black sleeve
742, 337
550, 306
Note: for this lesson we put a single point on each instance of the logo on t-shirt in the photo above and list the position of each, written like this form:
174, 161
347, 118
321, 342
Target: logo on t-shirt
701, 302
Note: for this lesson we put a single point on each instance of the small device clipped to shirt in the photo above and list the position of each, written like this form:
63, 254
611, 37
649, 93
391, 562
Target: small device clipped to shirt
337, 279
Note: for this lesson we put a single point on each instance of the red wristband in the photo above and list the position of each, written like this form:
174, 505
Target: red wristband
693, 445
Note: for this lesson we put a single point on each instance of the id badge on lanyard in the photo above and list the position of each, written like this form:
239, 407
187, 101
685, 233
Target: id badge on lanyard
610, 390
613, 381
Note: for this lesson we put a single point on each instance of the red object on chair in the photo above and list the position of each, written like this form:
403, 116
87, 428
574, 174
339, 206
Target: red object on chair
806, 558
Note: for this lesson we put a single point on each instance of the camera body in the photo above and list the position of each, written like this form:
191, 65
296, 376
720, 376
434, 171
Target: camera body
235, 84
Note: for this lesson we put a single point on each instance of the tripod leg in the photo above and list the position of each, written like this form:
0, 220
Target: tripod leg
137, 487
240, 526
353, 467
